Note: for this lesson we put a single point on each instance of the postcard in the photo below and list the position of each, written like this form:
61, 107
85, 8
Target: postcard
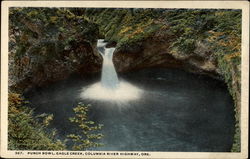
124, 79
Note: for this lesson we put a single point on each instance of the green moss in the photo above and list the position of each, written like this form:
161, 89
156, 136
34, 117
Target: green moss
25, 132
125, 26
29, 132
220, 29
46, 27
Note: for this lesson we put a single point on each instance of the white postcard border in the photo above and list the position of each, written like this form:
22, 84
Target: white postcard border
129, 4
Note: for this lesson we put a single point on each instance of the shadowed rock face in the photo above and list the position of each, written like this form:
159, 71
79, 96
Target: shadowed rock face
81, 58
111, 44
44, 50
155, 52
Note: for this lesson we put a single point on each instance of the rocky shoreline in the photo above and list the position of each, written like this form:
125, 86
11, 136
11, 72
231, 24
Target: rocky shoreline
141, 43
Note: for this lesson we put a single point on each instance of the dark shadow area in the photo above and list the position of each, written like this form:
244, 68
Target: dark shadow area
177, 111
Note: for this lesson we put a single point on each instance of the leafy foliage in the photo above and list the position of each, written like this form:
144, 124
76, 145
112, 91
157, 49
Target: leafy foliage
87, 134
125, 26
47, 35
25, 132
218, 29
221, 31
53, 28
29, 132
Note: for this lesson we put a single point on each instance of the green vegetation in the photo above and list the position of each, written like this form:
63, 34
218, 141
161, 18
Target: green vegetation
218, 30
29, 132
44, 42
42, 37
125, 26
53, 39
25, 132
87, 135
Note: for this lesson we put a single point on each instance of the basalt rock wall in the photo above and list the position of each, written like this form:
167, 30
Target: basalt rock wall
48, 45
49, 48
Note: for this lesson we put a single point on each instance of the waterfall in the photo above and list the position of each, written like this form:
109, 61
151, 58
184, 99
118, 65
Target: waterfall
109, 76
109, 88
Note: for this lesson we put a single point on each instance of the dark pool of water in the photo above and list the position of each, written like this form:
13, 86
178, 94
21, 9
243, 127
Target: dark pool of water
178, 111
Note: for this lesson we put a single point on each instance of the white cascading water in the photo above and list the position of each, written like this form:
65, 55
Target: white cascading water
109, 75
110, 88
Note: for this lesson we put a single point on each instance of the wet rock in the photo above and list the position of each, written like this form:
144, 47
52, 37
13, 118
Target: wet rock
32, 71
155, 52
111, 44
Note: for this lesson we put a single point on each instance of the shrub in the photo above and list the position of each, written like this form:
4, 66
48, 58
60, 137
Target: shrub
87, 134
24, 130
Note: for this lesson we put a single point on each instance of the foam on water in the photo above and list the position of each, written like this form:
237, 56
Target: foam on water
123, 92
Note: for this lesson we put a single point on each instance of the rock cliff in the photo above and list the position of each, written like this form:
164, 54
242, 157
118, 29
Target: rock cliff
200, 41
48, 45
45, 50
